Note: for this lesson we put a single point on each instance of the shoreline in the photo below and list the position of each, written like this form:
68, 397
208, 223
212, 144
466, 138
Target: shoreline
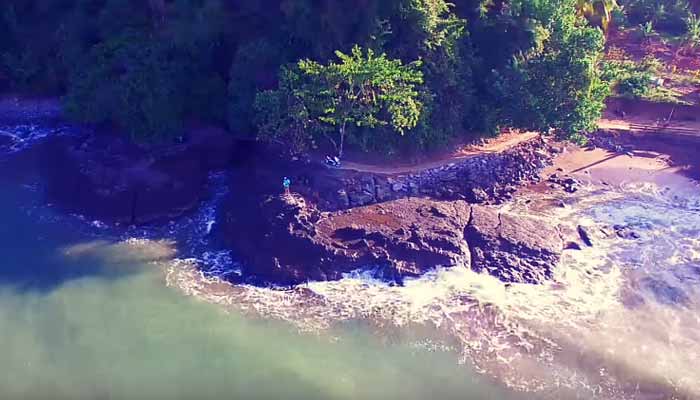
321, 304
118, 183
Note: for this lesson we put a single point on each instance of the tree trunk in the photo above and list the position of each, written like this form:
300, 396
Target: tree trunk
342, 140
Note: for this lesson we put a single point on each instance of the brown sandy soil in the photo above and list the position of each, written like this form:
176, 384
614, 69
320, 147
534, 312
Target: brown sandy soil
641, 123
681, 71
639, 116
648, 158
495, 145
623, 43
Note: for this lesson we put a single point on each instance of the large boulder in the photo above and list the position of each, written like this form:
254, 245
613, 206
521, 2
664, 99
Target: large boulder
407, 236
513, 248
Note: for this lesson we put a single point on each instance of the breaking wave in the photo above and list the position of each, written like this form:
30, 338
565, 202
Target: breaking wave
616, 321
16, 138
620, 320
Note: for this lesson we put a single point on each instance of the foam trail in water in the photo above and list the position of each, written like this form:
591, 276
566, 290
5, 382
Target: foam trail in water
546, 337
610, 309
16, 138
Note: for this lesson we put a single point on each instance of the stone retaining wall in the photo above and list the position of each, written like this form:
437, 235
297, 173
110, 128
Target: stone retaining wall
490, 177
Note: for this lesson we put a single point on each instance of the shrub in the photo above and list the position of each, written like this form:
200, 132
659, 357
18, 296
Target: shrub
133, 82
619, 18
665, 15
646, 30
691, 39
255, 67
557, 84
637, 80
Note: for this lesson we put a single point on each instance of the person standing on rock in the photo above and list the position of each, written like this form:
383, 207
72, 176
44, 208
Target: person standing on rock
286, 183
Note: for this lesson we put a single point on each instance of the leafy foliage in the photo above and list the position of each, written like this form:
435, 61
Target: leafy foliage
691, 39
363, 90
639, 80
133, 84
556, 85
599, 12
663, 15
149, 66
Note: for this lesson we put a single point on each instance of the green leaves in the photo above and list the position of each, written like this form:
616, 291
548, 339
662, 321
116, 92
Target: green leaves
691, 39
133, 82
560, 85
362, 90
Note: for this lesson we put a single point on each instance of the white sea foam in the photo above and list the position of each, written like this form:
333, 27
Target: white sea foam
576, 331
22, 137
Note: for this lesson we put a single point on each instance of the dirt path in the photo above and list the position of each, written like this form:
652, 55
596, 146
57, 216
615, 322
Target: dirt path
637, 125
501, 143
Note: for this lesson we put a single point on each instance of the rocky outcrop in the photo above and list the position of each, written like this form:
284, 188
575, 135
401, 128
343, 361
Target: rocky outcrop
513, 248
485, 178
408, 236
108, 177
287, 241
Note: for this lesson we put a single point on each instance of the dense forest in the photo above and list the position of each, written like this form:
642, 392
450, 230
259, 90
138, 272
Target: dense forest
387, 75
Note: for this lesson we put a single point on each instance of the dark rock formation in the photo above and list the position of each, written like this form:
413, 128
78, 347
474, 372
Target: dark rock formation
408, 236
107, 177
569, 184
514, 249
485, 178
5, 141
664, 292
585, 235
626, 232
287, 241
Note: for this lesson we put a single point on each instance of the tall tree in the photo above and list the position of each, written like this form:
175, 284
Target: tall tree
363, 90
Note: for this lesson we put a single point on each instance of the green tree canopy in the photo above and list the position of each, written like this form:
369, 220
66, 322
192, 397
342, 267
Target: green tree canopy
363, 90
556, 84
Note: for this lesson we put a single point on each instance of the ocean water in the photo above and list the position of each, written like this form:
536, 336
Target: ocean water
86, 312
620, 320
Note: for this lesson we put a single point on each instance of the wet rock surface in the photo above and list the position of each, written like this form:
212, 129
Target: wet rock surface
566, 182
408, 236
513, 248
664, 292
626, 232
288, 240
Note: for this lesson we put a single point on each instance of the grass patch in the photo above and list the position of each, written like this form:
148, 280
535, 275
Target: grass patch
662, 94
641, 80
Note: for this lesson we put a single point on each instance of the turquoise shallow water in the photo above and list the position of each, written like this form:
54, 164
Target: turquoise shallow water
84, 317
